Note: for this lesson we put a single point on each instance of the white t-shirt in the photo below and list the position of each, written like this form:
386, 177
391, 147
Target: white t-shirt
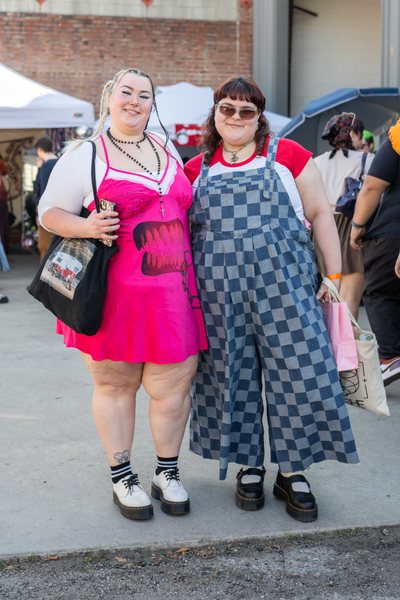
70, 184
334, 171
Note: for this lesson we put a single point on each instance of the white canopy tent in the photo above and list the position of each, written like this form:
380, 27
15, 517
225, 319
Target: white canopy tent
26, 104
184, 107
181, 107
27, 110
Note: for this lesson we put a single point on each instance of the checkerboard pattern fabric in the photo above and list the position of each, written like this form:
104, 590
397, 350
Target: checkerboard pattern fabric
257, 281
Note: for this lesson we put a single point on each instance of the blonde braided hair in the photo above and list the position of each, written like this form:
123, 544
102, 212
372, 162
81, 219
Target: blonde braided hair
104, 103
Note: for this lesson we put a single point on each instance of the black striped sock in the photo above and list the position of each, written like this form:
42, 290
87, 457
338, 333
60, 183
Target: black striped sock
120, 471
164, 464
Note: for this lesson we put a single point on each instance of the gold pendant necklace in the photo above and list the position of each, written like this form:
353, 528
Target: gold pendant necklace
234, 153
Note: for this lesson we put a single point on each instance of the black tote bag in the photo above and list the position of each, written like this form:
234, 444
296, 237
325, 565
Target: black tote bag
72, 278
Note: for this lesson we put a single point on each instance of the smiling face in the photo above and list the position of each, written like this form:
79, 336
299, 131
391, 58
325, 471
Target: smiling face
236, 130
130, 104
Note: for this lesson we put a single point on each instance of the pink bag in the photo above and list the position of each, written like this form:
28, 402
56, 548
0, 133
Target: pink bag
338, 324
362, 384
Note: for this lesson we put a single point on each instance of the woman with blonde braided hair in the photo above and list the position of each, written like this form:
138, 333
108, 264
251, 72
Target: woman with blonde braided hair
152, 327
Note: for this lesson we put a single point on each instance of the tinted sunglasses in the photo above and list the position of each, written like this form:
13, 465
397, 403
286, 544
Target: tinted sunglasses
244, 113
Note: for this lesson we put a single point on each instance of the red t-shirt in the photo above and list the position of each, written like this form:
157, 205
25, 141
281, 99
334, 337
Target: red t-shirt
291, 158
289, 154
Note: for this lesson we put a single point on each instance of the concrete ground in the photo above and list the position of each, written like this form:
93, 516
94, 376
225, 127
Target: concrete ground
55, 485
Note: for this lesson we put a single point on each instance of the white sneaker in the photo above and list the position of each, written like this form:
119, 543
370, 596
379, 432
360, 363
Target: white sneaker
132, 500
390, 370
167, 487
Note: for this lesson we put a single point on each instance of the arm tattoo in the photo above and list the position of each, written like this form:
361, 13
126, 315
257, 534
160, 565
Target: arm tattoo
121, 457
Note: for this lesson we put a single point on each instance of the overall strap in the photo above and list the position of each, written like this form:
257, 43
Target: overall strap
203, 170
93, 176
271, 153
203, 184
269, 166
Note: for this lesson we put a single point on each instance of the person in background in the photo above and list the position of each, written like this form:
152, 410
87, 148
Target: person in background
368, 144
4, 190
4, 214
259, 292
152, 327
46, 163
4, 267
378, 201
345, 135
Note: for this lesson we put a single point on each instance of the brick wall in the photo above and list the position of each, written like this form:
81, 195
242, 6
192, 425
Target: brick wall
77, 54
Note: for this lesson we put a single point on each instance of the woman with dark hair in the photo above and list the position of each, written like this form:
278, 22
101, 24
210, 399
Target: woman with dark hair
258, 288
346, 159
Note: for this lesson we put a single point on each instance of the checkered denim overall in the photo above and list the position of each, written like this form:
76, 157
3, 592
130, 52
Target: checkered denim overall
257, 282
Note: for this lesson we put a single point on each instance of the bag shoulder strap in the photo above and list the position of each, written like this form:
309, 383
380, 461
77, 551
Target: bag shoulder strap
93, 176
363, 162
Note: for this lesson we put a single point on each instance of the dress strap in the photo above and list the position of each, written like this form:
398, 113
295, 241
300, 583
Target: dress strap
105, 152
165, 148
157, 141
105, 156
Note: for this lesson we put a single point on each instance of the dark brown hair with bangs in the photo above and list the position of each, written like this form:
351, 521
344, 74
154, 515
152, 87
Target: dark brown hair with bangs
236, 88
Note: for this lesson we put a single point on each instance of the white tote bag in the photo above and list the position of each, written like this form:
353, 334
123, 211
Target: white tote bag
363, 386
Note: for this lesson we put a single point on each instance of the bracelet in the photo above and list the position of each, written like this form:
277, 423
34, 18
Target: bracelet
334, 276
357, 226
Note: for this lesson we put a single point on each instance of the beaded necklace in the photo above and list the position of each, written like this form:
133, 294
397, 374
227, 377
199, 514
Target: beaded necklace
145, 169
137, 142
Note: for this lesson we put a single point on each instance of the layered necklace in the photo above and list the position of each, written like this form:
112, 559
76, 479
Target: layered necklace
234, 153
116, 143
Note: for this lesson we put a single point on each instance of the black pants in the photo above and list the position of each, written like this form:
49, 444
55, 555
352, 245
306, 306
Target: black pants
382, 293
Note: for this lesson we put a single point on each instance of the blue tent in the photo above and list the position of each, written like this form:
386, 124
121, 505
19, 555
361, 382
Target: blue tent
378, 108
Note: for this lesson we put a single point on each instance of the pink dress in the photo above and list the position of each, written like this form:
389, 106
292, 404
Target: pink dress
152, 310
